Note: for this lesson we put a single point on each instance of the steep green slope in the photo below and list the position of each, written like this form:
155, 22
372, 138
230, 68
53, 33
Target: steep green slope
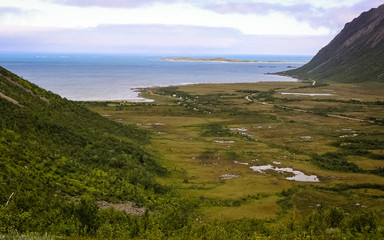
54, 151
356, 54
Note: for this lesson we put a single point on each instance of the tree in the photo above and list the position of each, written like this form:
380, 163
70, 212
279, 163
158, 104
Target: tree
87, 212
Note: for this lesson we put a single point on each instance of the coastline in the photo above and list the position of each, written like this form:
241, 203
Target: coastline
145, 94
100, 81
148, 94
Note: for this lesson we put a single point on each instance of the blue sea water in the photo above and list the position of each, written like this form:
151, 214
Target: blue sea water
113, 77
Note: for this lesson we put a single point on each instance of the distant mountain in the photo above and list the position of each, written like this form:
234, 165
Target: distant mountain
356, 54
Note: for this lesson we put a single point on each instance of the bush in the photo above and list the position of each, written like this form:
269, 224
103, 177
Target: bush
216, 130
334, 161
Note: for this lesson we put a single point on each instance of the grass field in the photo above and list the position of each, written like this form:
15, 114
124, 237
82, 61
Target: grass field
209, 135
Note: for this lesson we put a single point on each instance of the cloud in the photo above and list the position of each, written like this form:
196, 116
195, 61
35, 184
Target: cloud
122, 38
168, 26
134, 3
315, 17
331, 17
10, 10
12, 14
336, 18
347, 14
152, 39
6, 12
112, 3
60, 16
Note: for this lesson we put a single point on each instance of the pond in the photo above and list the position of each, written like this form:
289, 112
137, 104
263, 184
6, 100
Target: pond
298, 175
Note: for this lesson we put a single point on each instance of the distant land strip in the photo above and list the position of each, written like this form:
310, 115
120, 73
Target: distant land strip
186, 59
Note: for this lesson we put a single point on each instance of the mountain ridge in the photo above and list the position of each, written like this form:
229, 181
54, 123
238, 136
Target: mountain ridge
354, 55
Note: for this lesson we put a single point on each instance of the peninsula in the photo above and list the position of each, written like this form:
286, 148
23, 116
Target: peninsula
220, 59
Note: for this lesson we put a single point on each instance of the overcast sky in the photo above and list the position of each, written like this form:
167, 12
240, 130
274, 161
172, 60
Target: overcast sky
296, 27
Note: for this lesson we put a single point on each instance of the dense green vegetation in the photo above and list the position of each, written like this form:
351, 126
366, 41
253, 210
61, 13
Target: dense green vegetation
58, 159
334, 161
216, 130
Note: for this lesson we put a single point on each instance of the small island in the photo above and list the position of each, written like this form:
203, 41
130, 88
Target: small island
221, 59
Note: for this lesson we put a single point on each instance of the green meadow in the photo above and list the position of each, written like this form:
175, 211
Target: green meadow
208, 137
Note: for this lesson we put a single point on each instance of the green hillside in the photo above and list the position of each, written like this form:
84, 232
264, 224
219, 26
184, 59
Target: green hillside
58, 157
356, 54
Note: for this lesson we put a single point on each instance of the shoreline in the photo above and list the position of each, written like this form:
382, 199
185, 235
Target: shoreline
142, 99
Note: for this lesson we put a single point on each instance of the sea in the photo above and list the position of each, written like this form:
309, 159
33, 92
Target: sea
91, 77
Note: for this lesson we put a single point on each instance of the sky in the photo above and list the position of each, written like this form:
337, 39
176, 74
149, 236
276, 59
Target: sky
284, 27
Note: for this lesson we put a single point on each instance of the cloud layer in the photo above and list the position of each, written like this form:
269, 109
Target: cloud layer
235, 26
331, 17
112, 3
157, 39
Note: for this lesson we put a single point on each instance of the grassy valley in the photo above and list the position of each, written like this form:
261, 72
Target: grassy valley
209, 136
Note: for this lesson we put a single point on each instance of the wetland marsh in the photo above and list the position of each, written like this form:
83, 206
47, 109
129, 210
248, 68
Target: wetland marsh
210, 136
